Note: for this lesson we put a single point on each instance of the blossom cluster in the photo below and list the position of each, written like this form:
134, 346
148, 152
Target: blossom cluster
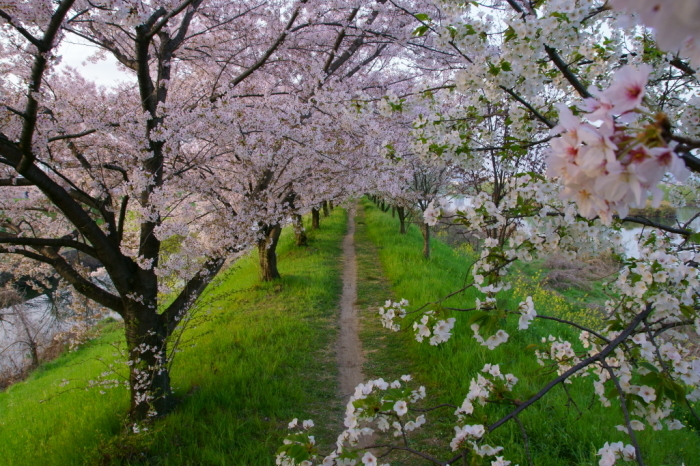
428, 326
492, 341
610, 453
676, 23
392, 310
481, 388
609, 160
375, 406
378, 406
528, 313
560, 352
440, 328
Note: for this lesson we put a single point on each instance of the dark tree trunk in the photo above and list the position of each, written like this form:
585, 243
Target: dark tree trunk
315, 219
425, 230
149, 378
393, 211
324, 205
267, 253
300, 238
401, 211
330, 205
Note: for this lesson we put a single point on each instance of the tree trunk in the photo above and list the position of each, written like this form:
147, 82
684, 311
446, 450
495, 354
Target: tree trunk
300, 238
33, 354
149, 378
393, 211
324, 205
401, 211
267, 253
31, 341
425, 230
330, 205
315, 219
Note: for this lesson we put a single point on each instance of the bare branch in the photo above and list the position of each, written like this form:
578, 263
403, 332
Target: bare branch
72, 136
48, 242
15, 182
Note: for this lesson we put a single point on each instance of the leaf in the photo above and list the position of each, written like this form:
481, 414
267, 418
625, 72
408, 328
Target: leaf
478, 316
672, 390
616, 325
652, 379
649, 366
694, 238
509, 34
453, 31
687, 311
298, 453
505, 66
561, 16
422, 17
420, 31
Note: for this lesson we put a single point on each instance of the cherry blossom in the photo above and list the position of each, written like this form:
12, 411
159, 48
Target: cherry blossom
611, 167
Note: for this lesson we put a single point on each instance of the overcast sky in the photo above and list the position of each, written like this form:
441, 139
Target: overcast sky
104, 72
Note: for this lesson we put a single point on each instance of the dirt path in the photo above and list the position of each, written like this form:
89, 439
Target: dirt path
350, 357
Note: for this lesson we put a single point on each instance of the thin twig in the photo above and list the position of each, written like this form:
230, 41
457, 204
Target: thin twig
527, 441
625, 411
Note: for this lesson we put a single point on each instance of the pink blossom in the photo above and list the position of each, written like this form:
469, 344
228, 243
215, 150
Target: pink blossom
628, 88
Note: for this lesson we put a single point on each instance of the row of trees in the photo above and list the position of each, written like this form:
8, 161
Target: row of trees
241, 115
512, 76
244, 114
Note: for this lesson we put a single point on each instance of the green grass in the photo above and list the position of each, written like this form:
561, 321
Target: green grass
560, 431
263, 355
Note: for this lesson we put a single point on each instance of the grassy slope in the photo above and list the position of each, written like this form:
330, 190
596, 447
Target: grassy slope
263, 356
558, 433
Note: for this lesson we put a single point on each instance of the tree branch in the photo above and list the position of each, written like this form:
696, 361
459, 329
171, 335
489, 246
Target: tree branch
105, 250
625, 412
15, 182
48, 242
269, 51
32, 107
27, 35
166, 17
586, 362
68, 273
72, 136
192, 290
564, 68
532, 109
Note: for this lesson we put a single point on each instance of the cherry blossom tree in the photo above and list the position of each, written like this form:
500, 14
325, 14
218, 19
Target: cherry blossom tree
116, 173
626, 112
